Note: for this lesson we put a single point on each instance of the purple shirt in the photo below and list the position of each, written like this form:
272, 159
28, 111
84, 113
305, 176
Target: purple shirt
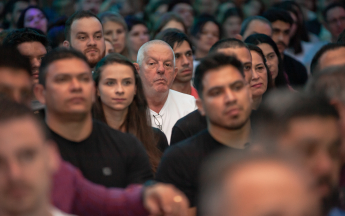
74, 194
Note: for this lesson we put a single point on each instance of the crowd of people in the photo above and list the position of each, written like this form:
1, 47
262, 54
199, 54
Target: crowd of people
172, 107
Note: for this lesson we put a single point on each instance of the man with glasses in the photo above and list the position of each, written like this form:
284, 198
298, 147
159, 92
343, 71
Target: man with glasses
334, 19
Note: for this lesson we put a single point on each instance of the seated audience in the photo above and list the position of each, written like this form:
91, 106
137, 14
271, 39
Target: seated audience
156, 67
183, 51
231, 23
329, 55
33, 17
121, 103
256, 25
105, 156
184, 9
168, 21
225, 100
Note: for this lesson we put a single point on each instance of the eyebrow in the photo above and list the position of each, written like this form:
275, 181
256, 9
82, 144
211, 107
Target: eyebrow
231, 84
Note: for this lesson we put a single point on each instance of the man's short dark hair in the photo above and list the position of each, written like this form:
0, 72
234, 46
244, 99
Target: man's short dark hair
315, 62
227, 43
11, 58
173, 3
212, 62
276, 14
173, 36
330, 7
19, 36
55, 55
76, 16
247, 21
132, 21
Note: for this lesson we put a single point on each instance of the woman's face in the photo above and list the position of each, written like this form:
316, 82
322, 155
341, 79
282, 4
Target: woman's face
271, 59
208, 36
34, 18
258, 84
116, 33
232, 26
174, 24
137, 37
116, 87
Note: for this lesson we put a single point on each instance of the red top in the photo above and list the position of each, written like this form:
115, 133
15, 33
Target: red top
194, 93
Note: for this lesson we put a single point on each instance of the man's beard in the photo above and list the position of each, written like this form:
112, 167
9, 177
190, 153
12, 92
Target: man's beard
92, 64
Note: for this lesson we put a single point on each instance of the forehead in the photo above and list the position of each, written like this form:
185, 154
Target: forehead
28, 48
184, 46
86, 24
265, 48
13, 76
33, 11
332, 58
68, 66
118, 71
159, 52
259, 27
242, 53
222, 76
280, 25
256, 57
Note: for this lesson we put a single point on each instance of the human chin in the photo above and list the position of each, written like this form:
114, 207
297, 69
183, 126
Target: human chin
161, 88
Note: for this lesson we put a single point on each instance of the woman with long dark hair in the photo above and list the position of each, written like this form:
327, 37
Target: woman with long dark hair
33, 17
273, 59
121, 104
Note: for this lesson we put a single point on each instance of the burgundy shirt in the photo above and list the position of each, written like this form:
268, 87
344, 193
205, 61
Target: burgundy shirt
74, 194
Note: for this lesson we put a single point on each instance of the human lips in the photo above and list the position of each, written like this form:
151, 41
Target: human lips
161, 80
257, 85
232, 111
91, 50
119, 99
76, 100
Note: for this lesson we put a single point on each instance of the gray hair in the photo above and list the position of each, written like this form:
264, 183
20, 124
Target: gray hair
145, 46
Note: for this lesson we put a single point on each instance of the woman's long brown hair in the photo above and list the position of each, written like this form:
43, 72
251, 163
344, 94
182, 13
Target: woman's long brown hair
137, 120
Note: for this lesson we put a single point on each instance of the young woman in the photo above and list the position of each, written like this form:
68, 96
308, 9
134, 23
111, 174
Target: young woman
33, 17
115, 30
121, 104
261, 78
272, 55
169, 20
231, 22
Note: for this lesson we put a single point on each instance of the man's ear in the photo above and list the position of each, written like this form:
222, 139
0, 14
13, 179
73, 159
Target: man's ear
40, 93
66, 44
239, 37
136, 65
200, 106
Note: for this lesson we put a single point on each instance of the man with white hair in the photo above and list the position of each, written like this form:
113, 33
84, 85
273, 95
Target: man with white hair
156, 67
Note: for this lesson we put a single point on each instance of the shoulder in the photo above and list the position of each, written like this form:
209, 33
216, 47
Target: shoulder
175, 95
194, 116
291, 60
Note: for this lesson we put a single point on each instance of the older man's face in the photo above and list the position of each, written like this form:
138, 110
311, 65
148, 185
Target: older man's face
157, 69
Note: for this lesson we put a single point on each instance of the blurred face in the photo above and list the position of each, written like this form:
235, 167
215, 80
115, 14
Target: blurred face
26, 167
87, 37
332, 58
92, 5
183, 62
257, 27
280, 36
35, 51
208, 36
317, 140
138, 36
206, 6
108, 47
16, 84
336, 21
277, 190
157, 70
17, 10
271, 59
69, 88
116, 87
226, 98
186, 13
258, 84
174, 24
116, 33
242, 54
34, 18
232, 26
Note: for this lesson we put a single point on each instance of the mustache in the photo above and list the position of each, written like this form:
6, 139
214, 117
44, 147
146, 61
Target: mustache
91, 48
281, 43
161, 78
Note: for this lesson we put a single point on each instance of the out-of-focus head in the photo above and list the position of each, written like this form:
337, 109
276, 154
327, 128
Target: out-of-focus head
329, 55
206, 6
31, 44
115, 29
156, 66
28, 161
168, 21
88, 5
256, 25
84, 32
182, 47
109, 48
334, 18
65, 84
184, 9
15, 76
33, 17
237, 48
254, 8
254, 185
13, 9
138, 33
281, 22
225, 97
231, 22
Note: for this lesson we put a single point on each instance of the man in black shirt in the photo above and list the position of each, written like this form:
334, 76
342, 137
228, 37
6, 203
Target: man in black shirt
225, 100
105, 156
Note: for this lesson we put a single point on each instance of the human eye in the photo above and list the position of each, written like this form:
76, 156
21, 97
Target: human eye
238, 87
215, 92
99, 36
109, 83
188, 54
61, 79
85, 78
27, 155
81, 37
177, 56
127, 82
247, 67
168, 64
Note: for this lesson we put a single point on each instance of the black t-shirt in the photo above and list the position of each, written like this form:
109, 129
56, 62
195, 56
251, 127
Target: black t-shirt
107, 157
181, 162
296, 71
161, 139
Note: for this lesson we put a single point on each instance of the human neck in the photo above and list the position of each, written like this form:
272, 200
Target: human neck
231, 138
200, 54
134, 56
183, 87
157, 101
282, 55
256, 102
43, 210
115, 118
72, 127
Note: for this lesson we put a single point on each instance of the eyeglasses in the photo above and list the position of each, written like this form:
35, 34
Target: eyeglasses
158, 119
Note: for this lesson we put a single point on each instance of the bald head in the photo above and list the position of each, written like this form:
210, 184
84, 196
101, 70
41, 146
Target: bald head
146, 46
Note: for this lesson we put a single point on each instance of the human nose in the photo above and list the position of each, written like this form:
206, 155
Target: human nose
185, 60
75, 85
323, 164
14, 170
255, 75
230, 96
35, 62
160, 68
119, 89
91, 41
